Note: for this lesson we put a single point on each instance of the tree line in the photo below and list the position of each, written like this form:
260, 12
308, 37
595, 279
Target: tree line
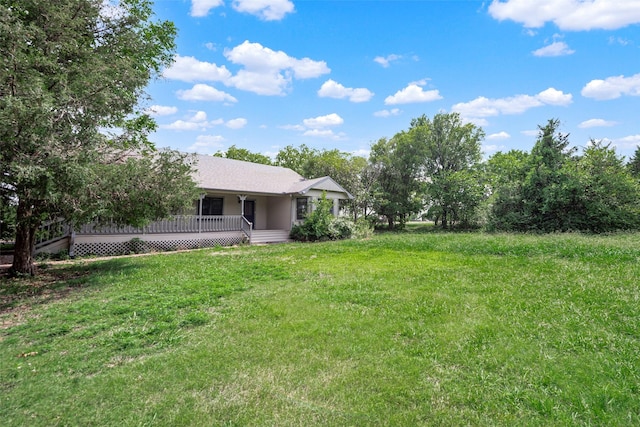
434, 170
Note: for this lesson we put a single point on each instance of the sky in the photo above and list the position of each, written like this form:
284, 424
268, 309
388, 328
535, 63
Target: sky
341, 74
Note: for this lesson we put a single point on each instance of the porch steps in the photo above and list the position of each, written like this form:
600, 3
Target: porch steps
269, 236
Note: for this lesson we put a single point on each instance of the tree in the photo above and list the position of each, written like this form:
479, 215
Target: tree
551, 198
451, 155
295, 158
71, 76
634, 163
610, 196
552, 189
399, 190
505, 173
243, 154
546, 197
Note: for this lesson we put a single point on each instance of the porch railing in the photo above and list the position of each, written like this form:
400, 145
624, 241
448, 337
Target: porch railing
177, 224
246, 227
51, 231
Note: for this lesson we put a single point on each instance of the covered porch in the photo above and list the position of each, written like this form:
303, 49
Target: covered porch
177, 233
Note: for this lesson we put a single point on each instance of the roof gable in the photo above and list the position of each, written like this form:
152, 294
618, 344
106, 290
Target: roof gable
325, 183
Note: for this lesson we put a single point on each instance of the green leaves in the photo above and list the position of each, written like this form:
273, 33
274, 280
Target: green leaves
552, 189
71, 75
432, 166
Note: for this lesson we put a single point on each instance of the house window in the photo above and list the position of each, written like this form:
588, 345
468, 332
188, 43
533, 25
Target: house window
212, 206
301, 207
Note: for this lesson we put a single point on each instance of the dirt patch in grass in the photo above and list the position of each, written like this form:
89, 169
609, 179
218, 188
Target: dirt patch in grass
17, 295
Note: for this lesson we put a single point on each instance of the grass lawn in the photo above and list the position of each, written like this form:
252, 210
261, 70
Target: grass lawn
401, 329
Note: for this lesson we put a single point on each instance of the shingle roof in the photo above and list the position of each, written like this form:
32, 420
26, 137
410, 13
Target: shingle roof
219, 173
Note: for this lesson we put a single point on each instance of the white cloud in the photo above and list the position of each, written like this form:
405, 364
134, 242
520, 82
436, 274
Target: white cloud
189, 69
324, 133
161, 110
485, 107
553, 96
203, 92
238, 123
362, 152
333, 89
261, 83
420, 82
199, 117
198, 121
323, 121
385, 61
531, 132
268, 10
293, 127
628, 142
388, 113
491, 148
184, 125
318, 127
570, 15
499, 135
206, 144
612, 87
592, 123
202, 7
475, 121
412, 94
619, 40
267, 72
554, 49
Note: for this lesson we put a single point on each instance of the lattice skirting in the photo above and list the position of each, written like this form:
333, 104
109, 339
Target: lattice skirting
134, 246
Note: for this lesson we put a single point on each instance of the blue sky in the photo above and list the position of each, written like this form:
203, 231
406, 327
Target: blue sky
264, 74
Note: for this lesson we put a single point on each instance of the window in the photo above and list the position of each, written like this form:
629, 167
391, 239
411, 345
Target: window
212, 205
301, 207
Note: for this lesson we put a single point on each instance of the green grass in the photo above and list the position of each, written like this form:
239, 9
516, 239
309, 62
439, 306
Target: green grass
401, 329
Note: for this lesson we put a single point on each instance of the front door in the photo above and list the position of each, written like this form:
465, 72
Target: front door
250, 211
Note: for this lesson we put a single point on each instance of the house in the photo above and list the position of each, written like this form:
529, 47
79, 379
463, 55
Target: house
240, 202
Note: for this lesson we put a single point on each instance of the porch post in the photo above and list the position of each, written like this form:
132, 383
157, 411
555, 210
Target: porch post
200, 213
242, 198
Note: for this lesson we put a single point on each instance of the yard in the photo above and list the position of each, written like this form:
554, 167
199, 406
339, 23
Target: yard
401, 329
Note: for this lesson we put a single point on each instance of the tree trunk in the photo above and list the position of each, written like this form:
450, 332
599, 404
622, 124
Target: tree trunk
25, 242
444, 219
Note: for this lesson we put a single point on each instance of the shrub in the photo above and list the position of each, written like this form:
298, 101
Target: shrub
321, 225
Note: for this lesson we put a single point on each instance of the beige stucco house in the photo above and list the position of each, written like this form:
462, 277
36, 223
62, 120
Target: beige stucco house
240, 202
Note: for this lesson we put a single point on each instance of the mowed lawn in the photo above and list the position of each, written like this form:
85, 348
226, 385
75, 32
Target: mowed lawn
398, 330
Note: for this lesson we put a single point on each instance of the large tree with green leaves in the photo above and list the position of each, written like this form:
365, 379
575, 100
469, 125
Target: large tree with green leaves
431, 165
554, 189
72, 135
398, 192
245, 155
634, 163
548, 197
505, 174
451, 156
609, 196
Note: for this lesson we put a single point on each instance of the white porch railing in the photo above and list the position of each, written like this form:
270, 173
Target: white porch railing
246, 227
177, 224
51, 231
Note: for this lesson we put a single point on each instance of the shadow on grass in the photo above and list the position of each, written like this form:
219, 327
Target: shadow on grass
54, 282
